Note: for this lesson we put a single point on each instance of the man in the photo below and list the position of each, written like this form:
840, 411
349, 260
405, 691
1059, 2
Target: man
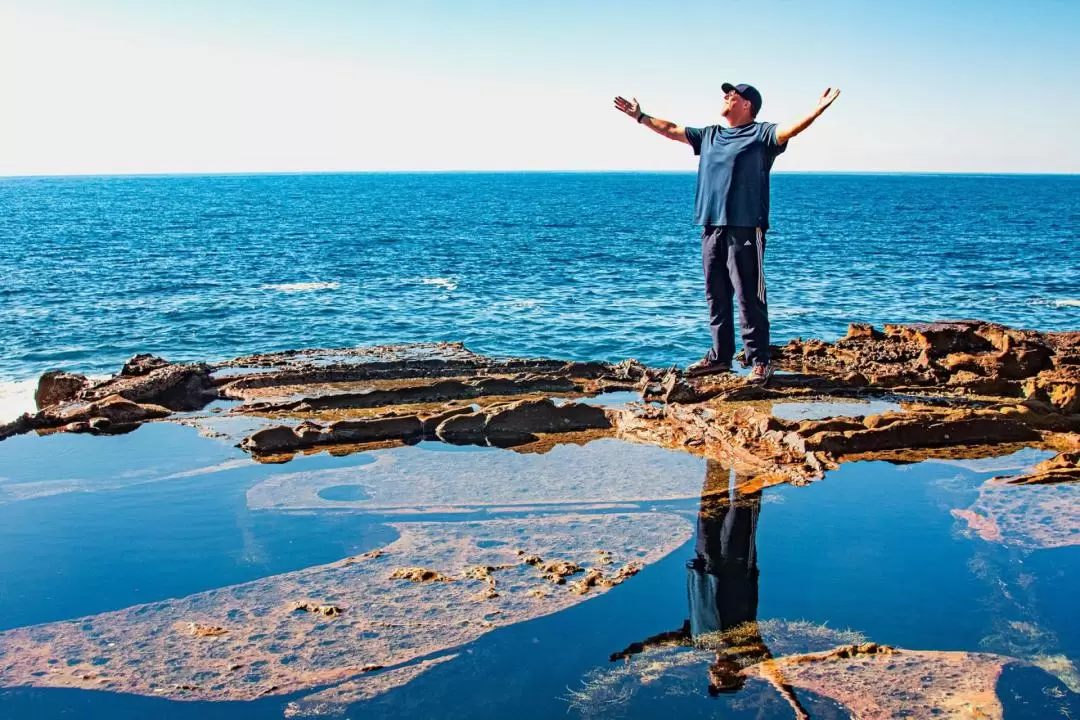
732, 206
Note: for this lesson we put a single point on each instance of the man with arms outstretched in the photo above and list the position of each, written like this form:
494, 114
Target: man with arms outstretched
732, 206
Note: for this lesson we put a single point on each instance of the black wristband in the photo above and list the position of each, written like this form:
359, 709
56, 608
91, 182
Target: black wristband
641, 116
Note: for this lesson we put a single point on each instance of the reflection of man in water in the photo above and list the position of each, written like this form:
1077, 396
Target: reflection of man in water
722, 585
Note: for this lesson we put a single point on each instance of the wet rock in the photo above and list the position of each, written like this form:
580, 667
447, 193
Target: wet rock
199, 630
883, 682
272, 440
100, 424
673, 389
142, 364
419, 575
317, 609
966, 357
22, 424
517, 423
462, 429
927, 431
178, 387
863, 330
56, 387
400, 427
431, 423
1059, 387
115, 409
482, 572
284, 439
558, 570
591, 579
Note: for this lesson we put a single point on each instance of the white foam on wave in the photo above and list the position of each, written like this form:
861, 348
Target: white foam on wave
1059, 303
16, 398
302, 287
447, 283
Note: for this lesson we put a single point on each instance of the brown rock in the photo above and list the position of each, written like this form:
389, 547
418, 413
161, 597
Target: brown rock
197, 630
673, 389
392, 427
56, 387
22, 424
463, 429
431, 423
516, 423
315, 608
174, 386
420, 575
591, 580
100, 424
930, 431
117, 410
142, 364
863, 330
558, 570
272, 440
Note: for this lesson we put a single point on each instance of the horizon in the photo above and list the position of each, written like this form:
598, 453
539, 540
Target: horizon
149, 89
688, 173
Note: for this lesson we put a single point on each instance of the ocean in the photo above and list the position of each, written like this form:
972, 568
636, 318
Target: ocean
584, 266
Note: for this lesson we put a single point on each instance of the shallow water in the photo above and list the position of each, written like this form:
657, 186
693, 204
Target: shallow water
90, 527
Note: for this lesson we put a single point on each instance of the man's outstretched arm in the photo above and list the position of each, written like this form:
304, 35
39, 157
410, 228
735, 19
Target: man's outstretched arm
827, 98
666, 128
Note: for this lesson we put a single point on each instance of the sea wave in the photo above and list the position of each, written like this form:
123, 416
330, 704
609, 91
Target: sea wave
448, 283
1055, 303
302, 287
16, 397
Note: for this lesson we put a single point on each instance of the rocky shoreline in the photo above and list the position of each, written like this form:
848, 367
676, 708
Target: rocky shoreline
958, 387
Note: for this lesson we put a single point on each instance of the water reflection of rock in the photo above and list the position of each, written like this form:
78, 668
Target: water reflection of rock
414, 480
265, 646
1044, 516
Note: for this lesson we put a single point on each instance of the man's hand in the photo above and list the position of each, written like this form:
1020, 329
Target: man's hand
827, 99
631, 107
668, 129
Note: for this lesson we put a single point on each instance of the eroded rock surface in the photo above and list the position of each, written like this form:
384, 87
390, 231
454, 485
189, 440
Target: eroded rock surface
56, 387
966, 356
244, 632
875, 682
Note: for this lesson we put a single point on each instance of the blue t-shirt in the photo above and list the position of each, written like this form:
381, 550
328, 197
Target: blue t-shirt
733, 173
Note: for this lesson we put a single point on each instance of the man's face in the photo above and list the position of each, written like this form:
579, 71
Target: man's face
735, 105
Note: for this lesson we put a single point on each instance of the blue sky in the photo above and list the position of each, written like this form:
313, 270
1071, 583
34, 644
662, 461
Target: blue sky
226, 86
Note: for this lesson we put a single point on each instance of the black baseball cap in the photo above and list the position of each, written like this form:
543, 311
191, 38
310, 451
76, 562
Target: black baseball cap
749, 92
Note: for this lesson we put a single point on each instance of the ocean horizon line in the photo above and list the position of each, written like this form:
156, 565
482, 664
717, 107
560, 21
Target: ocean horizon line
690, 172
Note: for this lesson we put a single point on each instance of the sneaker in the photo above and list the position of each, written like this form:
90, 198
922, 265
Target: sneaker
705, 366
760, 374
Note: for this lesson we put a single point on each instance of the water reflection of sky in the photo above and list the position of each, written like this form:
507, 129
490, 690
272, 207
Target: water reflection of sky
873, 548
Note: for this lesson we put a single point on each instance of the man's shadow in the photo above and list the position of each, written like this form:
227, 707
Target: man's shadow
722, 585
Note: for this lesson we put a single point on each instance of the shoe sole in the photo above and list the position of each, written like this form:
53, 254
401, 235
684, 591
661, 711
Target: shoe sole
708, 371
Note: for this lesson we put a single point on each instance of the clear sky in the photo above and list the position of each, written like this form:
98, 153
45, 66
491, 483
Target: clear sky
147, 86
